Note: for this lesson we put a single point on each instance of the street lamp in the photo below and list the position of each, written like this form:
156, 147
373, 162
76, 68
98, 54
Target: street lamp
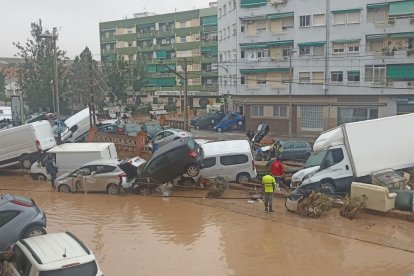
290, 91
55, 80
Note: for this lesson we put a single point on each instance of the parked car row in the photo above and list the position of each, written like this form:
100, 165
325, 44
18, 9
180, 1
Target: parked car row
219, 121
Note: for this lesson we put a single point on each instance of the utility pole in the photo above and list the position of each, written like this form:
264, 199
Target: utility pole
92, 104
290, 91
55, 82
185, 96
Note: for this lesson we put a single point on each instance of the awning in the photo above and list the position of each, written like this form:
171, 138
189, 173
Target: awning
280, 43
209, 20
309, 44
377, 6
400, 71
376, 37
262, 70
340, 41
151, 68
252, 3
161, 54
399, 35
279, 15
253, 18
161, 82
163, 68
401, 8
253, 46
346, 11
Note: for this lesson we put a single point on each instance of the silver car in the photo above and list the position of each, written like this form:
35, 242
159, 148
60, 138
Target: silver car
20, 218
166, 136
104, 175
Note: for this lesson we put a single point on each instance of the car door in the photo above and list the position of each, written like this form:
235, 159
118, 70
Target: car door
231, 165
209, 167
7, 228
99, 179
81, 178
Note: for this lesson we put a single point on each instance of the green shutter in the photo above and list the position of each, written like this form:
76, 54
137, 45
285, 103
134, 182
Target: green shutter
280, 43
377, 6
161, 54
151, 68
262, 71
253, 18
163, 68
401, 35
400, 71
279, 15
346, 41
346, 11
252, 3
161, 82
308, 44
401, 8
209, 20
253, 46
376, 37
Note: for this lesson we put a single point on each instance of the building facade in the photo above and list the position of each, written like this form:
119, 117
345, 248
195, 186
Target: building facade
306, 66
166, 43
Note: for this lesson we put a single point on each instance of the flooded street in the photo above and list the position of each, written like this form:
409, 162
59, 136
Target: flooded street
137, 235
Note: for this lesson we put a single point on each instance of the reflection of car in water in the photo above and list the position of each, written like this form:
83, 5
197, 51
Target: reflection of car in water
20, 218
232, 120
208, 120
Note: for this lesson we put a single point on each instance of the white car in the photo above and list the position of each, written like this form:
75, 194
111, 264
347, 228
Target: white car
56, 254
164, 137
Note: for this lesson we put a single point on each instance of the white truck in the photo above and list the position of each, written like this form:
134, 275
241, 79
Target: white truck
25, 143
354, 151
71, 156
76, 127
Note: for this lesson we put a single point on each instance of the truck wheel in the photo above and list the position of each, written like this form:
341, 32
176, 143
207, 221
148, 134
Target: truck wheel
26, 162
327, 188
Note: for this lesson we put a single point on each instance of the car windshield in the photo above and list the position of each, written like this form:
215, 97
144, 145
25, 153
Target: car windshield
315, 159
153, 128
87, 269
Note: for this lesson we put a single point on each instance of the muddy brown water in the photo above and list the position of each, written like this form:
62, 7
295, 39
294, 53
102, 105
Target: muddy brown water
137, 235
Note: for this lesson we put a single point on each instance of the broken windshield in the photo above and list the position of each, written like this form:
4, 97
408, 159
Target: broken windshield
315, 159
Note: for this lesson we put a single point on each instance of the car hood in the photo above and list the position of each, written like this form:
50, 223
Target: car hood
298, 176
62, 176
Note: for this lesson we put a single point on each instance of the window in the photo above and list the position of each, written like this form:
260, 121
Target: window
261, 80
104, 169
318, 77
353, 76
257, 110
261, 26
305, 20
377, 15
209, 162
339, 18
130, 44
318, 20
242, 54
234, 29
305, 50
233, 159
287, 23
304, 77
338, 48
351, 17
242, 29
20, 262
285, 52
333, 157
183, 39
7, 216
349, 114
242, 80
375, 74
337, 76
300, 145
354, 17
317, 50
353, 47
312, 118
288, 145
279, 111
376, 45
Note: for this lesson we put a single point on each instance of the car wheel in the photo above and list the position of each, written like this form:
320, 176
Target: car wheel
112, 189
41, 177
219, 129
243, 178
327, 188
197, 127
26, 162
287, 207
187, 182
64, 188
192, 170
144, 190
34, 231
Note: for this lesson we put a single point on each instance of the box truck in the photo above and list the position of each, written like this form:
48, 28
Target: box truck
354, 151
25, 143
72, 156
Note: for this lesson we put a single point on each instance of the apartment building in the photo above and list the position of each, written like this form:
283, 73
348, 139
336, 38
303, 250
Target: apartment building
166, 43
306, 66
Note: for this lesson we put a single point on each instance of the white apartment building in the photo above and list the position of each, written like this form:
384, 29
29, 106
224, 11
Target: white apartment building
305, 66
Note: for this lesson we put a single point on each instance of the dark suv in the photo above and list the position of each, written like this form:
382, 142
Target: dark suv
208, 120
295, 150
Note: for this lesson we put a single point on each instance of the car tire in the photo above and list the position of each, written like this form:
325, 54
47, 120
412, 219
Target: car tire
219, 129
26, 162
243, 178
33, 231
144, 190
192, 170
327, 188
64, 188
187, 182
40, 177
113, 189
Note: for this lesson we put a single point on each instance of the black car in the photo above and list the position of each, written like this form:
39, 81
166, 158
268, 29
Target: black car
208, 120
173, 160
112, 128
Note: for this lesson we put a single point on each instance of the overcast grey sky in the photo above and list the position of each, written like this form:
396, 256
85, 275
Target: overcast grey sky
77, 20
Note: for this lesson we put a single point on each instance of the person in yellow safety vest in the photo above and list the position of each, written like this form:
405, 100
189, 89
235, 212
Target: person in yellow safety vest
269, 185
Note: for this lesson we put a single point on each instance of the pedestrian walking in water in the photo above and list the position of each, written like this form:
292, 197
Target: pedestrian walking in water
52, 169
269, 185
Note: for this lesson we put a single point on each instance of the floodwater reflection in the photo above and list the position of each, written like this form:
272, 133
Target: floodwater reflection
135, 235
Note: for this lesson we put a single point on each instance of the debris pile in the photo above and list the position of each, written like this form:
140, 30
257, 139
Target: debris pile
216, 187
352, 206
313, 205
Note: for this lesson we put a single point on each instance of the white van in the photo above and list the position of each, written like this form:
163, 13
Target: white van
50, 254
76, 127
232, 160
25, 143
72, 156
5, 112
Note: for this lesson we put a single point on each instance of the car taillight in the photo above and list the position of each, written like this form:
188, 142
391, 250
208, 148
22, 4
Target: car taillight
21, 203
192, 154
253, 165
70, 265
39, 148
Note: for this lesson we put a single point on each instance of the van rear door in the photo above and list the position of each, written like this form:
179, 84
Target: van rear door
44, 135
